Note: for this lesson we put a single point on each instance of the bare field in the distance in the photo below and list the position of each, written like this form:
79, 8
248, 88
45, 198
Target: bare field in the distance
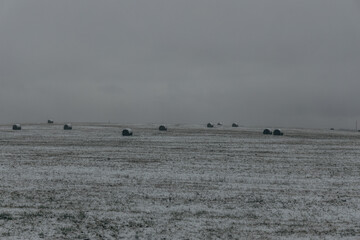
187, 183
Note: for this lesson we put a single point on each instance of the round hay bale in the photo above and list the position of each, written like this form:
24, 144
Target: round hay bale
67, 126
235, 125
267, 131
127, 132
162, 128
278, 132
210, 125
219, 124
50, 121
16, 127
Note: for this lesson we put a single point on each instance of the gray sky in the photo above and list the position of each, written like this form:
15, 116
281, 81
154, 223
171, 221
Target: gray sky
255, 62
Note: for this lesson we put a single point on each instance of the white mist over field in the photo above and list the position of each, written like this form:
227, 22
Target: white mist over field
280, 63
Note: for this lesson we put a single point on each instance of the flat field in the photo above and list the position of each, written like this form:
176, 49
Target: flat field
187, 183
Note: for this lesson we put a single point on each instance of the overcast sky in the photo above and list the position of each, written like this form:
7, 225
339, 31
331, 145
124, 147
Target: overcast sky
289, 63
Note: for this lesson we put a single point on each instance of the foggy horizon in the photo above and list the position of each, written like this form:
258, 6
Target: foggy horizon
282, 63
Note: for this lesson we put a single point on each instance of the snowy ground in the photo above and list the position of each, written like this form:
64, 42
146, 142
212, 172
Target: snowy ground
187, 183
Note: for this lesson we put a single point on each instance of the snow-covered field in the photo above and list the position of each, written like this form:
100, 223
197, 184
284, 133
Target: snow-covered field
187, 183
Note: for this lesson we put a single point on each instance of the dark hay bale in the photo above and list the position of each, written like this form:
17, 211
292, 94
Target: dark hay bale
162, 128
267, 131
67, 126
127, 132
50, 121
219, 124
210, 125
235, 125
278, 132
16, 127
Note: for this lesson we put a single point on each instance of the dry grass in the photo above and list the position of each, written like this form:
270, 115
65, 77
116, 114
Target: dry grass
188, 183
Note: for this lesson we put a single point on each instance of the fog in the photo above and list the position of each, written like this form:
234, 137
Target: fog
285, 63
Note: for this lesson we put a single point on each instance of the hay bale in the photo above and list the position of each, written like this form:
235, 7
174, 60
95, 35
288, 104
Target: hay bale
127, 132
50, 121
16, 127
267, 131
67, 126
235, 125
210, 125
278, 132
162, 128
219, 124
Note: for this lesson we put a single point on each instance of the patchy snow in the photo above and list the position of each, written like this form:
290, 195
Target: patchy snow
190, 182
